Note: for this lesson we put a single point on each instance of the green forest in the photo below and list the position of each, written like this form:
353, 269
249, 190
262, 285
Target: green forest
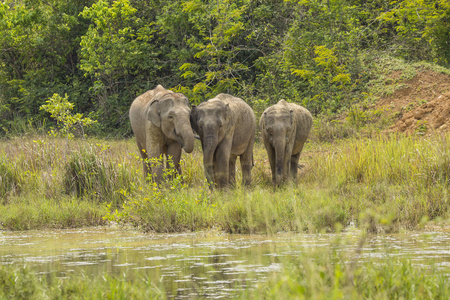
102, 54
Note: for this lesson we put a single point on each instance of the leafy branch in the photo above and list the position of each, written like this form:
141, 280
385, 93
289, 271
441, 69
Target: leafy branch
61, 110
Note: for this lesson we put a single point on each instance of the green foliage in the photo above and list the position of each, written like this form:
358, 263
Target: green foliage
168, 207
117, 47
38, 56
60, 109
104, 53
422, 26
216, 46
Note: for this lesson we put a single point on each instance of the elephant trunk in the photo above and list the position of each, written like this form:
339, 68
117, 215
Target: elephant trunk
280, 145
186, 137
209, 148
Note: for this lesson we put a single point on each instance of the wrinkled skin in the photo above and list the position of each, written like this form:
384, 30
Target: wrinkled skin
284, 129
160, 121
226, 126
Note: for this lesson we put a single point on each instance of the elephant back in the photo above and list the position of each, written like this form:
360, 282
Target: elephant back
243, 114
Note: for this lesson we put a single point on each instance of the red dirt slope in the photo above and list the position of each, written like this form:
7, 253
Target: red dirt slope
422, 105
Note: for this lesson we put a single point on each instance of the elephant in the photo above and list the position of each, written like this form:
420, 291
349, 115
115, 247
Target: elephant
284, 129
226, 126
160, 122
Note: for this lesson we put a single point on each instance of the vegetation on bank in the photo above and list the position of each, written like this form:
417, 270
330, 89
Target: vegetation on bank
381, 184
328, 275
314, 274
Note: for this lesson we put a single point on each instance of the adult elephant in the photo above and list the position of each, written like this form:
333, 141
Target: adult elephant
284, 128
160, 121
226, 126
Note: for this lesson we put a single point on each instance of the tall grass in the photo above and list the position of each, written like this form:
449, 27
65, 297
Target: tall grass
10, 181
381, 184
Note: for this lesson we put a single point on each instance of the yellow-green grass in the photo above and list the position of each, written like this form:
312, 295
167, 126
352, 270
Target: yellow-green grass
380, 184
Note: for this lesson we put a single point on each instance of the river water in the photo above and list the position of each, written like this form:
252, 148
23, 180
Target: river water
220, 264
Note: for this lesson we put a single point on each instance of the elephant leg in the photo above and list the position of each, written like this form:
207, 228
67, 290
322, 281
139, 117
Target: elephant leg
144, 157
174, 153
287, 164
222, 157
271, 155
215, 170
232, 169
247, 165
294, 165
155, 160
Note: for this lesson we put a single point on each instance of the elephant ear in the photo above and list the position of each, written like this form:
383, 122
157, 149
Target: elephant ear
193, 118
264, 120
153, 114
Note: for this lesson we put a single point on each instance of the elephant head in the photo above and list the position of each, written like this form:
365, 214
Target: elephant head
278, 129
170, 112
211, 120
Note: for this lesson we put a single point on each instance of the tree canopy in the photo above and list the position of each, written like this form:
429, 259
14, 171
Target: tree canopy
104, 53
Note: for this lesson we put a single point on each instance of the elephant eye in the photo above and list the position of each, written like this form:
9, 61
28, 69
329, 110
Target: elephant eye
170, 117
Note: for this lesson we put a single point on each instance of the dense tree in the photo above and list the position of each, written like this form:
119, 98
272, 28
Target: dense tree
103, 53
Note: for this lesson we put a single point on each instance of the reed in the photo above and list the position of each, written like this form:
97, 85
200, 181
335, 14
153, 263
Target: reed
10, 180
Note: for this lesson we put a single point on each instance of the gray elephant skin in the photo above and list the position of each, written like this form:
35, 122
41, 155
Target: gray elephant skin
160, 122
226, 126
284, 129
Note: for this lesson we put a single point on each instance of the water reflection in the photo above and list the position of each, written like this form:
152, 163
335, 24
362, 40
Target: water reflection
217, 264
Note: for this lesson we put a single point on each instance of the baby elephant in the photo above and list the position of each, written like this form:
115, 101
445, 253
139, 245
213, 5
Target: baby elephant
226, 126
284, 128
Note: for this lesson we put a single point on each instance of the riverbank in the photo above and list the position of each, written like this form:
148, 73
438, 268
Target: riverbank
380, 184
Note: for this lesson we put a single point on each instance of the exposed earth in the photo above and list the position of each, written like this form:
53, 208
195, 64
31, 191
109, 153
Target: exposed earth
421, 105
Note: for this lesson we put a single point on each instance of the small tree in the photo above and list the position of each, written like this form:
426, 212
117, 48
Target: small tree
60, 109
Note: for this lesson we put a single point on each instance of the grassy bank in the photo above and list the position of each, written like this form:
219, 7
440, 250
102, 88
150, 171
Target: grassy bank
381, 184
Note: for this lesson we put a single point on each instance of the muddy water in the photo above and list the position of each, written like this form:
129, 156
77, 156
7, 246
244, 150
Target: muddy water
219, 264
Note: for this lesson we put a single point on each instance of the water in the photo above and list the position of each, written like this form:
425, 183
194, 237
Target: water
220, 264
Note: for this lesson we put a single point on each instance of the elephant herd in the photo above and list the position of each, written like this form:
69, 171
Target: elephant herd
163, 124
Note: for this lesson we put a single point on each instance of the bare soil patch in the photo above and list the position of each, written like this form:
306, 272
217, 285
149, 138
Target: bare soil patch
421, 105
